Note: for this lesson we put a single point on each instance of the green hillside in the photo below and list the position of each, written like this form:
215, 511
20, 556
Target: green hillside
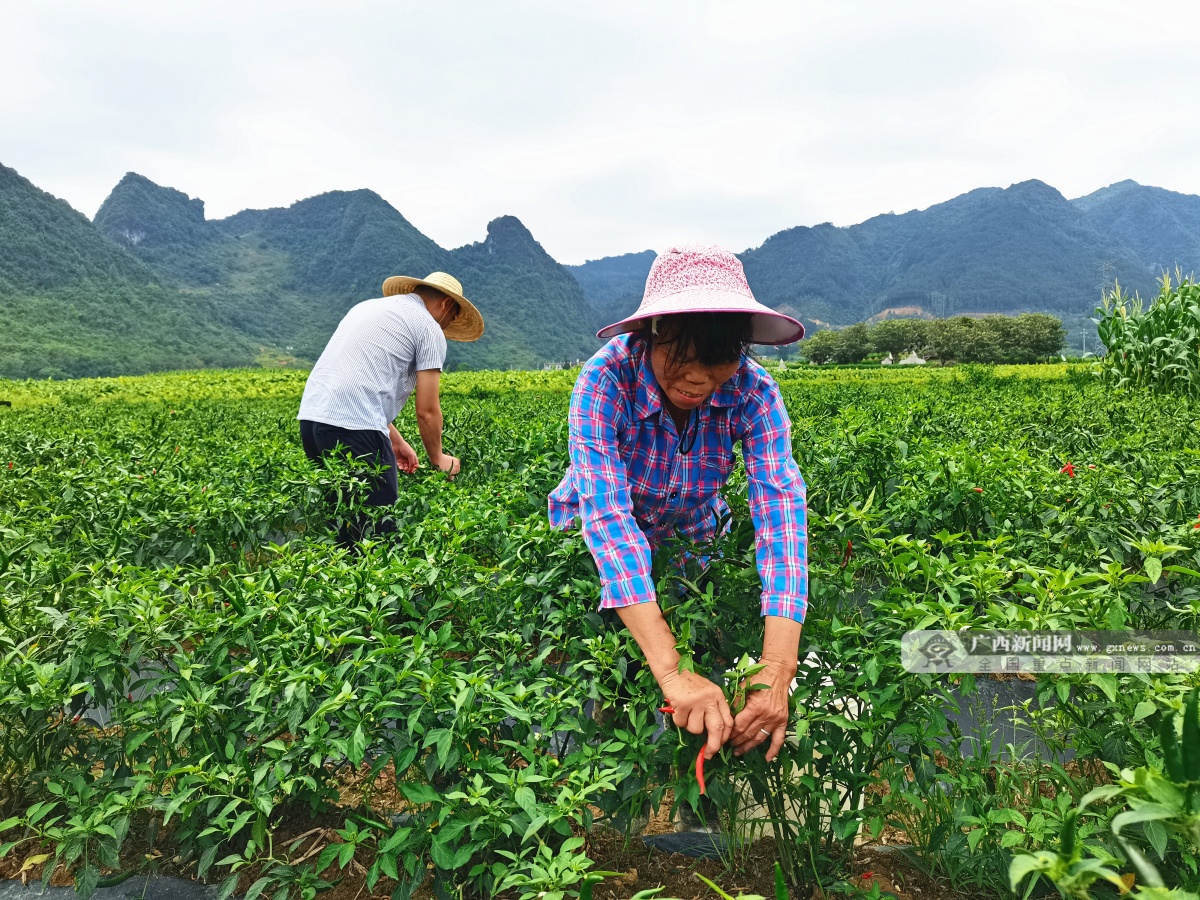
614, 285
535, 309
75, 304
1161, 227
153, 284
286, 276
1024, 248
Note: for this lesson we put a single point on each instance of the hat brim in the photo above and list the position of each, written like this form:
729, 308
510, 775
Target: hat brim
766, 325
467, 325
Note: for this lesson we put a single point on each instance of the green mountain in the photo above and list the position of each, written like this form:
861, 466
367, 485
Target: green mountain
614, 284
1024, 248
286, 276
75, 304
534, 309
153, 284
1161, 227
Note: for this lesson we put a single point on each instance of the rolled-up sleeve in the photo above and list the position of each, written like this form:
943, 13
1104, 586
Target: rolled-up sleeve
616, 542
778, 505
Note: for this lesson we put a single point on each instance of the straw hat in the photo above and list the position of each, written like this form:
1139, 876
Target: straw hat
467, 326
705, 279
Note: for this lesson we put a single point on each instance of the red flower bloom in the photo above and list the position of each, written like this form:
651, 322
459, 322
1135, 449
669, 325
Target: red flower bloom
1069, 469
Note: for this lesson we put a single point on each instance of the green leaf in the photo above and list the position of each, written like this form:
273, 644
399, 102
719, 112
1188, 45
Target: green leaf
206, 860
1157, 835
442, 855
357, 746
1106, 683
1149, 812
1153, 567
1147, 873
1102, 792
534, 827
1191, 736
1011, 838
1023, 865
418, 792
257, 887
527, 800
1143, 709
872, 669
86, 881
1066, 835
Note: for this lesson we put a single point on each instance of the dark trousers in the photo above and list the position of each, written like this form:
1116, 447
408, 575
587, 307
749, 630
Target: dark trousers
370, 447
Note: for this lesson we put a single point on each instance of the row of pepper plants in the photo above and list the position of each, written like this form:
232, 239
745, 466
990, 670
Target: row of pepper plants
189, 661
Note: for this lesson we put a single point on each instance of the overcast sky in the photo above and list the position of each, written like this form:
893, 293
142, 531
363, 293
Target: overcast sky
606, 126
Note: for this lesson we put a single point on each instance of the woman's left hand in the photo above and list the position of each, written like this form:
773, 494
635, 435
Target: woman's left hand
765, 716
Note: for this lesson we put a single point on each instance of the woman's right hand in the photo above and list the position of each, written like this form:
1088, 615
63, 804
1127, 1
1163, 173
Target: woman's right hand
699, 706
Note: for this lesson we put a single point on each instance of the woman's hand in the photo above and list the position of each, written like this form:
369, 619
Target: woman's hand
699, 706
765, 715
698, 703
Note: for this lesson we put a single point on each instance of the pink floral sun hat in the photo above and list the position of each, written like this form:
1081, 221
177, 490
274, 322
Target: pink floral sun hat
705, 279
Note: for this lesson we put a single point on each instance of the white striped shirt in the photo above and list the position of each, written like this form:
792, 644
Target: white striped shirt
369, 367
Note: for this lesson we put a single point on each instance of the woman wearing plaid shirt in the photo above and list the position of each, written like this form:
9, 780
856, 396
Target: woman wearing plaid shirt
654, 417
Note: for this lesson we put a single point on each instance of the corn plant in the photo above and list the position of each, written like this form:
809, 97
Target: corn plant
1155, 346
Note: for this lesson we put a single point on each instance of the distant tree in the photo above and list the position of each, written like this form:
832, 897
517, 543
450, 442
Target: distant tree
819, 348
1042, 335
960, 339
853, 344
898, 337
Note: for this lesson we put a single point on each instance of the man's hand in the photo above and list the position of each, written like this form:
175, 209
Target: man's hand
449, 464
699, 706
406, 456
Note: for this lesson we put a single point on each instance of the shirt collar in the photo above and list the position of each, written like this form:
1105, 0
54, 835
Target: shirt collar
647, 399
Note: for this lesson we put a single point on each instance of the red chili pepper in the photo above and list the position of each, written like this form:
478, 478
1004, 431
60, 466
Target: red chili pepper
1069, 469
977, 490
670, 710
848, 553
700, 769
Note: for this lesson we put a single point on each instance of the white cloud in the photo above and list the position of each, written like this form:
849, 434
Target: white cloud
605, 127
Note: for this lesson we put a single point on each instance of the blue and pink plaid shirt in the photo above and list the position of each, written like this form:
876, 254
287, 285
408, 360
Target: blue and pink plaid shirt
633, 490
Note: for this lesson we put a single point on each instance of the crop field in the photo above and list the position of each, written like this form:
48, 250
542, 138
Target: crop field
196, 679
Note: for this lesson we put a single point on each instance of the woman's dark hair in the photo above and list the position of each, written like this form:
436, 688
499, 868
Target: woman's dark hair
711, 339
